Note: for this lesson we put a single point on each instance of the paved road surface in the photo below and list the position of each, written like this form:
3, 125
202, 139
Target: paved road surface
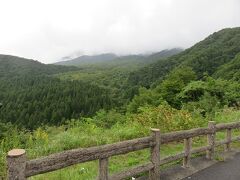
228, 170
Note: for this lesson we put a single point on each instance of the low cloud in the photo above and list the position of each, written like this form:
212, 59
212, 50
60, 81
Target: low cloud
49, 30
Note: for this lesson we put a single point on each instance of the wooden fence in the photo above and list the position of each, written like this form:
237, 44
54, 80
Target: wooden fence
21, 168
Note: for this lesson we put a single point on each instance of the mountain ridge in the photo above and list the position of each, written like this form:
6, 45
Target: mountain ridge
15, 66
204, 57
106, 57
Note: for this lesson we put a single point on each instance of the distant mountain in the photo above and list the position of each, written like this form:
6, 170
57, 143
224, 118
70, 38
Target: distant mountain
164, 54
15, 66
112, 58
83, 60
206, 56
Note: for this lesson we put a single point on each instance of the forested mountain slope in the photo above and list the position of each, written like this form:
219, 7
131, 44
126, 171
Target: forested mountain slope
31, 102
206, 56
34, 94
229, 70
15, 66
113, 74
31, 96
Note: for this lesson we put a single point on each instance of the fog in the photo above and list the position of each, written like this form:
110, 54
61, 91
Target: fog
47, 30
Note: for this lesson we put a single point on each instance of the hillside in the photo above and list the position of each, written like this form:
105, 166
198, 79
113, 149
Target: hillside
113, 74
229, 70
15, 66
112, 60
32, 96
206, 56
34, 93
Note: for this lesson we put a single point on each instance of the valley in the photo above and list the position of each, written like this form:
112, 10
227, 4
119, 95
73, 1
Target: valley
95, 100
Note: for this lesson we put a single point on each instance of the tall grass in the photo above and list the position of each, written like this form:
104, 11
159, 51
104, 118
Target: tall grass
79, 134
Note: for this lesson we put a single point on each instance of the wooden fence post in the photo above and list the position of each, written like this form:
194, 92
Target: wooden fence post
154, 173
211, 139
187, 150
103, 169
16, 164
228, 138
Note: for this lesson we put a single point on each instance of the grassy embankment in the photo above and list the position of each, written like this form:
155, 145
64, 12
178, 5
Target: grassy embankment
56, 139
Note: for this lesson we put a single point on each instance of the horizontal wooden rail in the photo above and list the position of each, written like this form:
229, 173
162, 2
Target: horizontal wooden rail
71, 157
200, 149
132, 172
172, 158
219, 143
181, 135
181, 155
21, 168
225, 126
235, 139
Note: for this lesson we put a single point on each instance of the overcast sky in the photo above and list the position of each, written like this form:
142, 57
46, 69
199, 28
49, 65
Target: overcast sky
47, 30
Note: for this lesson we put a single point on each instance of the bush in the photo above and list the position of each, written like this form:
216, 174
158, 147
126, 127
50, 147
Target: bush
167, 118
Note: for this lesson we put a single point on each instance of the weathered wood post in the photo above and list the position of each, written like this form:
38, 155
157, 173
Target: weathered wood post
103, 169
211, 139
16, 164
228, 139
187, 151
154, 173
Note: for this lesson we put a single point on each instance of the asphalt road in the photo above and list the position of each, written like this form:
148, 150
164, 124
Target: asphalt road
228, 170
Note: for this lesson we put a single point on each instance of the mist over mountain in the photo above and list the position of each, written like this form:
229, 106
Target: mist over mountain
103, 58
205, 56
88, 59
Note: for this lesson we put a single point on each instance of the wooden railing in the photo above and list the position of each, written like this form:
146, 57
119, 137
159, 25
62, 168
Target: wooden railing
21, 168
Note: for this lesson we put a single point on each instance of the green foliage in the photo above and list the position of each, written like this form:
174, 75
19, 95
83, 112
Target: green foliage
32, 101
106, 119
230, 70
227, 92
207, 105
210, 95
193, 91
4, 129
174, 83
167, 118
167, 91
145, 97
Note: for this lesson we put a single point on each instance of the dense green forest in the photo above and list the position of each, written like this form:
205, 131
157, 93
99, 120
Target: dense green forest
32, 102
31, 97
229, 70
33, 94
112, 72
50, 108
